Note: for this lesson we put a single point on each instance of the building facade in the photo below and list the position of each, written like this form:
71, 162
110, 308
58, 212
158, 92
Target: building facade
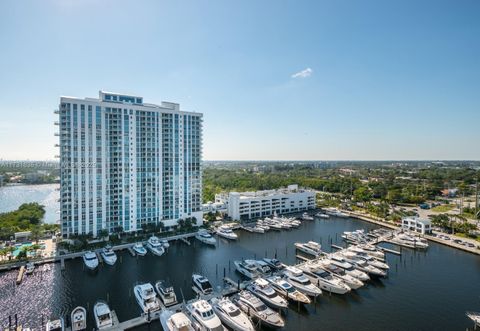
248, 205
126, 164
416, 224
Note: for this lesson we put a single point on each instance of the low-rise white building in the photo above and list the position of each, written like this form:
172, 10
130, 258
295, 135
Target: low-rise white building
416, 224
248, 205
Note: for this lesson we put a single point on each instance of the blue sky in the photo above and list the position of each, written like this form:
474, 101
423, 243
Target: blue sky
377, 79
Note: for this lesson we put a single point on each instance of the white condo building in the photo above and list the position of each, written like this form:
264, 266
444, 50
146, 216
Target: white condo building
248, 205
126, 163
421, 225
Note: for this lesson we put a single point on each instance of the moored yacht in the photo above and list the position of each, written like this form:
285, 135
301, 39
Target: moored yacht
248, 269
205, 237
109, 255
352, 282
474, 316
363, 265
103, 315
311, 247
146, 297
322, 215
307, 217
370, 250
55, 325
369, 259
172, 321
90, 259
411, 241
262, 266
262, 289
164, 243
301, 282
231, 315
335, 212
274, 264
79, 319
325, 280
287, 290
202, 284
227, 233
202, 312
257, 310
348, 268
155, 246
166, 293
139, 249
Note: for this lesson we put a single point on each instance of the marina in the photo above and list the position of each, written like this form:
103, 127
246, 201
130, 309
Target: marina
407, 273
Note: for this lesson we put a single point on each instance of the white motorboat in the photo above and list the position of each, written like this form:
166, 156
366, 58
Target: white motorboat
474, 316
311, 248
79, 319
325, 280
352, 282
172, 321
139, 249
370, 250
146, 297
274, 264
262, 289
307, 217
205, 237
103, 315
357, 236
275, 225
202, 284
29, 268
258, 229
155, 246
231, 315
256, 309
247, 269
410, 241
262, 266
109, 255
164, 243
364, 256
90, 259
348, 268
335, 212
166, 293
202, 312
364, 266
55, 325
287, 290
227, 233
322, 215
301, 282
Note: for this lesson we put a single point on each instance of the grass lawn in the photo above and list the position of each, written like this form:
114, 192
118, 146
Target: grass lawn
443, 208
463, 235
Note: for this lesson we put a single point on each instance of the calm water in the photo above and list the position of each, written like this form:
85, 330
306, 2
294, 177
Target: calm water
424, 291
11, 197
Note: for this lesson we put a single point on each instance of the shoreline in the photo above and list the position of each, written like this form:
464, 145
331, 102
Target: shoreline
449, 243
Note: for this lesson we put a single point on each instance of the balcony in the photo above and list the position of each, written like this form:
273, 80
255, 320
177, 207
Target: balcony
56, 123
56, 134
56, 111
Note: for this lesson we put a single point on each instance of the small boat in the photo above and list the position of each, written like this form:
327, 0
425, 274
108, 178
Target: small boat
165, 243
103, 315
139, 249
247, 269
155, 246
166, 293
325, 281
202, 284
205, 237
227, 233
55, 325
79, 319
146, 297
307, 217
262, 289
311, 248
474, 316
287, 290
274, 264
301, 282
202, 312
256, 309
109, 255
29, 268
322, 215
90, 259
172, 321
231, 315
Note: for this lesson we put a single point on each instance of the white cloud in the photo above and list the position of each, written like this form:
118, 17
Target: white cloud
303, 74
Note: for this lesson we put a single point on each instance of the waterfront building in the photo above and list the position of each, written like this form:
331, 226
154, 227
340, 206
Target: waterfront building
126, 164
248, 205
416, 224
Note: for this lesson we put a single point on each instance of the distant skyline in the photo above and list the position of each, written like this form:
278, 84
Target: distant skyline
290, 80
